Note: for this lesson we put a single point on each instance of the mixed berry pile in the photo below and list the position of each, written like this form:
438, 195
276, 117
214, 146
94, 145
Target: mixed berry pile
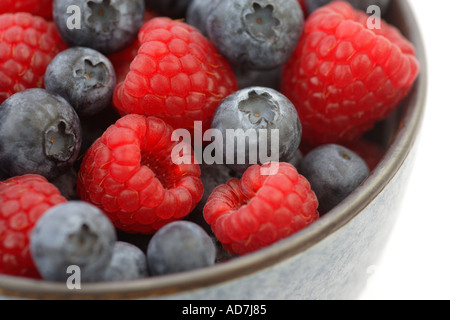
92, 94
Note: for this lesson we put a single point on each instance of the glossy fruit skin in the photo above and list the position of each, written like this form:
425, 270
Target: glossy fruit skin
128, 262
40, 133
258, 34
23, 200
256, 109
333, 172
130, 174
344, 77
27, 45
84, 77
73, 234
180, 246
107, 26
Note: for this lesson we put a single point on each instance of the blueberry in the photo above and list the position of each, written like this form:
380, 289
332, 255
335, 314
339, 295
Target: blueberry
40, 133
198, 12
180, 246
312, 5
212, 176
172, 8
128, 263
258, 34
84, 77
107, 26
73, 234
253, 117
333, 172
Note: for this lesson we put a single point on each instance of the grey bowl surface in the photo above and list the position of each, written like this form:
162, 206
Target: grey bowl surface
330, 259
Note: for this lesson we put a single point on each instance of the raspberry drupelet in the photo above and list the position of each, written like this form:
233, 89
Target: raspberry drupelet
258, 210
177, 75
23, 200
27, 45
129, 174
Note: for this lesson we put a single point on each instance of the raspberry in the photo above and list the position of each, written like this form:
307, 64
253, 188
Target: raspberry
41, 8
345, 77
27, 45
177, 75
129, 174
259, 210
23, 200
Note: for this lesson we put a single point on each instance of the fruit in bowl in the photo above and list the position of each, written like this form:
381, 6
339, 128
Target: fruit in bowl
347, 84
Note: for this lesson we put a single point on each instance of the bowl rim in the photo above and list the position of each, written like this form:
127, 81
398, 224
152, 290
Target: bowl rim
238, 267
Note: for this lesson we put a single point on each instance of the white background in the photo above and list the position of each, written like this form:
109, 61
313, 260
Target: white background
416, 262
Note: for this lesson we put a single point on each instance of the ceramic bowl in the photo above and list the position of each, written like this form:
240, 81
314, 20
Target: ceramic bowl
331, 259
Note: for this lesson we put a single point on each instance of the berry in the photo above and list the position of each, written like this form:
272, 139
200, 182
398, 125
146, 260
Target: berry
27, 45
312, 5
106, 26
40, 133
122, 60
84, 77
345, 77
212, 176
23, 200
129, 173
41, 8
177, 76
333, 172
198, 12
250, 111
258, 34
128, 262
180, 246
175, 9
74, 233
258, 210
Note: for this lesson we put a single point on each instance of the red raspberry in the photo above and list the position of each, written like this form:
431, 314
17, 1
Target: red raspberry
41, 8
259, 210
23, 200
177, 75
27, 45
344, 77
122, 59
130, 175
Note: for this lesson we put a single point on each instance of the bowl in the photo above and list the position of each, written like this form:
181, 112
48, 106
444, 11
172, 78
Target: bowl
330, 259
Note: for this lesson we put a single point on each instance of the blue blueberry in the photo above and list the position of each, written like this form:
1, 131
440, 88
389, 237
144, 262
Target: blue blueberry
333, 172
254, 120
312, 5
180, 246
198, 12
84, 77
257, 34
40, 133
107, 26
175, 9
73, 234
128, 263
